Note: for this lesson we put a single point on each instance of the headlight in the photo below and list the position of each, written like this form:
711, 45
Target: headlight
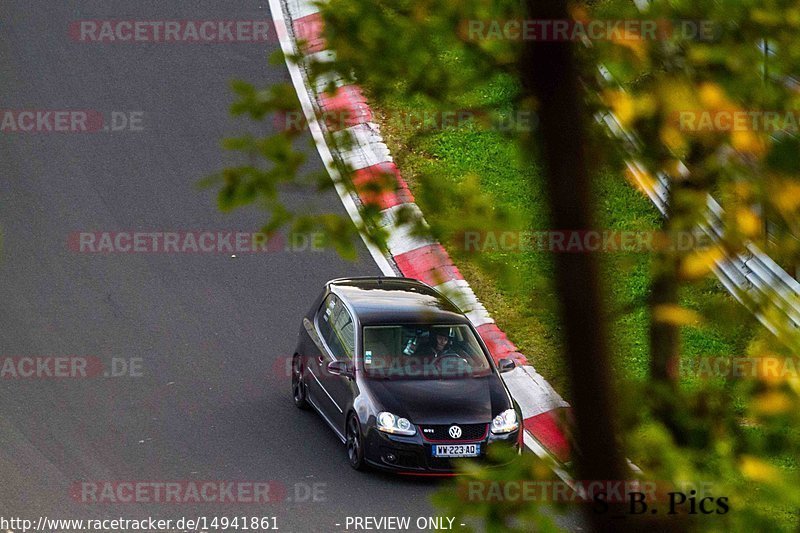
505, 422
391, 424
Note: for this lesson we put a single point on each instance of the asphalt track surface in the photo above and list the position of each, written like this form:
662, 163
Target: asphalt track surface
212, 331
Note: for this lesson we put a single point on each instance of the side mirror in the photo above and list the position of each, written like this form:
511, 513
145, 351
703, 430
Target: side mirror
341, 368
506, 365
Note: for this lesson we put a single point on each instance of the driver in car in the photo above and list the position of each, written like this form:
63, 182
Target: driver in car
439, 343
439, 351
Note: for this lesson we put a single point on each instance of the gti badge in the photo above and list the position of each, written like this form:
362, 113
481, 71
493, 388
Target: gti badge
455, 432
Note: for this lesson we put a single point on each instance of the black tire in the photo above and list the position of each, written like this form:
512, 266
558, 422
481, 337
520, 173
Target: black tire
299, 391
355, 444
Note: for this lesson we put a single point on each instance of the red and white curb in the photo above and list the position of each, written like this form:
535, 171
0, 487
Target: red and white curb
300, 29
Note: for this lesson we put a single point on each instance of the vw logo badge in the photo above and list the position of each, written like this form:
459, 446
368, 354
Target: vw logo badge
455, 432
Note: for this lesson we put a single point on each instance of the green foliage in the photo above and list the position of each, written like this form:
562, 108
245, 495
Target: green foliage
274, 164
416, 54
488, 494
424, 35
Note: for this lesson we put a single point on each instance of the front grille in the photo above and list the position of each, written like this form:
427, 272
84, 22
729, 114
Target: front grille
442, 432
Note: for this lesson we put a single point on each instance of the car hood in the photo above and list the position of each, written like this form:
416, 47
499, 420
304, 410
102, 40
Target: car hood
449, 401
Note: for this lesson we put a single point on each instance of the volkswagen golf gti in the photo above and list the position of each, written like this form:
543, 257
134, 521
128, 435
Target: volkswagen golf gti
402, 377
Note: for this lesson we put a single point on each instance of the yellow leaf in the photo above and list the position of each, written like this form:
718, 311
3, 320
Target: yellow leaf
772, 403
766, 16
748, 222
699, 263
786, 196
794, 383
748, 142
674, 168
792, 16
646, 105
632, 41
541, 470
622, 105
743, 190
677, 96
676, 315
712, 96
774, 370
757, 470
639, 178
673, 139
579, 12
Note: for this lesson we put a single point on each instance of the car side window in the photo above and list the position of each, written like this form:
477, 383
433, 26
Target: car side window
324, 318
337, 328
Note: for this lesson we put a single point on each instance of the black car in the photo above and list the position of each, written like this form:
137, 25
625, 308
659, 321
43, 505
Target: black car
402, 377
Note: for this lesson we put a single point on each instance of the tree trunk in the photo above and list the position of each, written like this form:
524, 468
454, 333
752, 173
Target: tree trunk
664, 334
549, 73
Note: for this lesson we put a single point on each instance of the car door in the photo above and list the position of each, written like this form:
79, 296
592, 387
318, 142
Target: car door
337, 331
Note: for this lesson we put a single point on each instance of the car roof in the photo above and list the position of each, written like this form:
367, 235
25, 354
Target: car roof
379, 301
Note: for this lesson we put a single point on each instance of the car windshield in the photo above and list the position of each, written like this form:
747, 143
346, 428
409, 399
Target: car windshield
423, 352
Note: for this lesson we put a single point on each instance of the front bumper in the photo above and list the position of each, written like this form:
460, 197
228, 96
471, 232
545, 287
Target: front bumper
414, 454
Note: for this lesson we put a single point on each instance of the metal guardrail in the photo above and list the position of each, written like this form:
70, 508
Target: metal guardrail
752, 277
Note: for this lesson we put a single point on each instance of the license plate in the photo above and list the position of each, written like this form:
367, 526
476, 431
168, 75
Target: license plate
456, 450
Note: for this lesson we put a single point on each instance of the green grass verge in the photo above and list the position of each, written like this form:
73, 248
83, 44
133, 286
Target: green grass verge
516, 286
